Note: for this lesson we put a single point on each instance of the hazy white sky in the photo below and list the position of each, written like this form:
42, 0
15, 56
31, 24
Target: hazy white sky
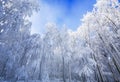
61, 12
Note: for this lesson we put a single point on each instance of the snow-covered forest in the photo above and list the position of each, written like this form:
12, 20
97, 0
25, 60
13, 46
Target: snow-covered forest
89, 54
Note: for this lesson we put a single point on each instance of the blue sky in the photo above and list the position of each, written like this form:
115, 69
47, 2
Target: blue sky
60, 12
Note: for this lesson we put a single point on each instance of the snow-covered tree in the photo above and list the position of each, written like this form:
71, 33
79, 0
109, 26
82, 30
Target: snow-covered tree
90, 54
14, 31
101, 31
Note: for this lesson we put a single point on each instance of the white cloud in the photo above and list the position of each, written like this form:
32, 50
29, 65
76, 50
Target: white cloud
59, 13
46, 14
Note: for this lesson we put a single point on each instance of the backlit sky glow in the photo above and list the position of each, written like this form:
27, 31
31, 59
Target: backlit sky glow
60, 12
